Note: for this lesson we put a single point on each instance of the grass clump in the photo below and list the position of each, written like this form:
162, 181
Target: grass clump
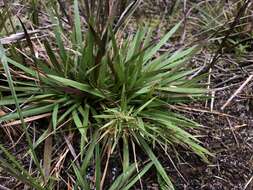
111, 94
218, 19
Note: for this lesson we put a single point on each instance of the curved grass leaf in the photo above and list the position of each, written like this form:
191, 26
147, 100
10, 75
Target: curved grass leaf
152, 52
77, 85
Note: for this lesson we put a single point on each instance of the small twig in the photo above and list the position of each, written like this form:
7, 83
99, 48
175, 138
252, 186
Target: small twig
136, 164
236, 127
71, 148
232, 130
226, 87
15, 37
174, 165
21, 35
106, 167
26, 120
248, 183
237, 92
186, 108
184, 22
212, 100
58, 166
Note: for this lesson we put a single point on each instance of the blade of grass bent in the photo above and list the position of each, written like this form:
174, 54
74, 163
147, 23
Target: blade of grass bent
77, 85
151, 53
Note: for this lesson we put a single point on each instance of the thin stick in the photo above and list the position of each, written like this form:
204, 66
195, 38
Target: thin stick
212, 100
248, 183
237, 92
106, 167
188, 109
21, 35
136, 164
232, 130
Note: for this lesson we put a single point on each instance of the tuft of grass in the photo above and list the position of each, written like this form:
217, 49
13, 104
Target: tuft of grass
111, 94
216, 20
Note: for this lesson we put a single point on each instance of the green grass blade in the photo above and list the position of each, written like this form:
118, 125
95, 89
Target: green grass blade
78, 28
79, 123
182, 90
144, 106
60, 44
27, 112
54, 116
22, 67
125, 153
154, 159
77, 85
80, 177
123, 178
138, 176
90, 151
52, 56
152, 52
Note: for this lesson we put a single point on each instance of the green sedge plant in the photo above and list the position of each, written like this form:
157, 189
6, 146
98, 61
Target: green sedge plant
113, 93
